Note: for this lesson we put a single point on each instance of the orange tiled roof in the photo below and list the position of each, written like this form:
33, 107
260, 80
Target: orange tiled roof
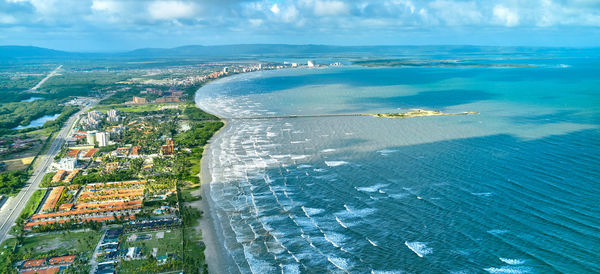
59, 175
62, 260
73, 153
34, 263
115, 184
53, 198
72, 175
83, 212
90, 153
107, 204
50, 270
67, 206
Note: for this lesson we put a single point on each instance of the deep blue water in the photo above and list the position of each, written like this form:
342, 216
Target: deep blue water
514, 189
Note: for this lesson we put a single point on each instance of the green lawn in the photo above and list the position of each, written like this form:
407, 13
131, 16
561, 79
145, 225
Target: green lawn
171, 242
80, 243
33, 202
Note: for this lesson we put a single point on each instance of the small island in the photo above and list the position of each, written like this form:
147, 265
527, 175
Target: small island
418, 113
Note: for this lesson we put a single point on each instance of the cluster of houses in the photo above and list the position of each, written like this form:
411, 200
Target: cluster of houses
47, 265
98, 202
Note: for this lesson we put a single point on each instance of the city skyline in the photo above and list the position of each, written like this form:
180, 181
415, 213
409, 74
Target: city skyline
112, 25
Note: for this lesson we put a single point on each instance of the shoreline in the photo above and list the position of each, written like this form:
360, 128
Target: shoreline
215, 254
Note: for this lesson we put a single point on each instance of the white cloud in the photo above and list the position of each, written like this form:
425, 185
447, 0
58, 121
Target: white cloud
505, 16
105, 6
275, 9
256, 22
290, 14
456, 13
329, 8
167, 10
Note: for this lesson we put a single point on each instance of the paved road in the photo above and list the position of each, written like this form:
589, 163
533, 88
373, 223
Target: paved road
93, 261
54, 72
13, 207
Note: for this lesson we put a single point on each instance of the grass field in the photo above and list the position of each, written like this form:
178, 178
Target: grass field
56, 244
170, 243
33, 202
18, 164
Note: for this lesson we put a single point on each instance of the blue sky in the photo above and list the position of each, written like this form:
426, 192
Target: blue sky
112, 25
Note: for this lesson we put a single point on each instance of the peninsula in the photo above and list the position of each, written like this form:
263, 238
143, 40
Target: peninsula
418, 113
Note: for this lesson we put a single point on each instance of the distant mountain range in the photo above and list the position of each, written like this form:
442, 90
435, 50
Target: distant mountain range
271, 50
201, 51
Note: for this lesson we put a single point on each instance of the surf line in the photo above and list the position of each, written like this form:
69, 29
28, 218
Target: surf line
298, 116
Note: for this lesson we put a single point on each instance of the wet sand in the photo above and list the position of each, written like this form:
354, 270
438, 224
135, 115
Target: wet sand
217, 257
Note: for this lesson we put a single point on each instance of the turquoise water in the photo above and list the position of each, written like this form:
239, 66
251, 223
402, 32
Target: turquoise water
514, 189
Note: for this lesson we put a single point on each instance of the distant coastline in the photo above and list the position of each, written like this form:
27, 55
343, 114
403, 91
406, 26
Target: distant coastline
470, 63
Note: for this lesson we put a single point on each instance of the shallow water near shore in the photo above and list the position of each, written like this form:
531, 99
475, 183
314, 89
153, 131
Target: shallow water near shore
513, 189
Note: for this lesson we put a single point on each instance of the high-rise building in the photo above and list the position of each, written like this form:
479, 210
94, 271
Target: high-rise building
103, 138
91, 137
67, 163
139, 100
113, 115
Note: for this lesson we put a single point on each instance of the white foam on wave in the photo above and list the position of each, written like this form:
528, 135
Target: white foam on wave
482, 194
512, 261
303, 166
399, 195
309, 211
371, 189
290, 268
340, 222
386, 271
299, 157
327, 150
340, 263
372, 243
386, 152
497, 231
335, 163
334, 239
511, 269
355, 213
419, 248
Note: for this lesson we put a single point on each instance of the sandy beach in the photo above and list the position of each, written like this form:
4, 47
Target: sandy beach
217, 257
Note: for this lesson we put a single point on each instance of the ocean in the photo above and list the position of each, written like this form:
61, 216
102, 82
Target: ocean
513, 189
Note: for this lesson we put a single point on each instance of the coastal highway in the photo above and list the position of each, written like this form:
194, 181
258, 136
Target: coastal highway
13, 207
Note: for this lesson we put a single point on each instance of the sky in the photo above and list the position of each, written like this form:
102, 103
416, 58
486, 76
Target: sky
118, 25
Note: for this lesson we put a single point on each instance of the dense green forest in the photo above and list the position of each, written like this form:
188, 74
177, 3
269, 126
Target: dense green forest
12, 182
